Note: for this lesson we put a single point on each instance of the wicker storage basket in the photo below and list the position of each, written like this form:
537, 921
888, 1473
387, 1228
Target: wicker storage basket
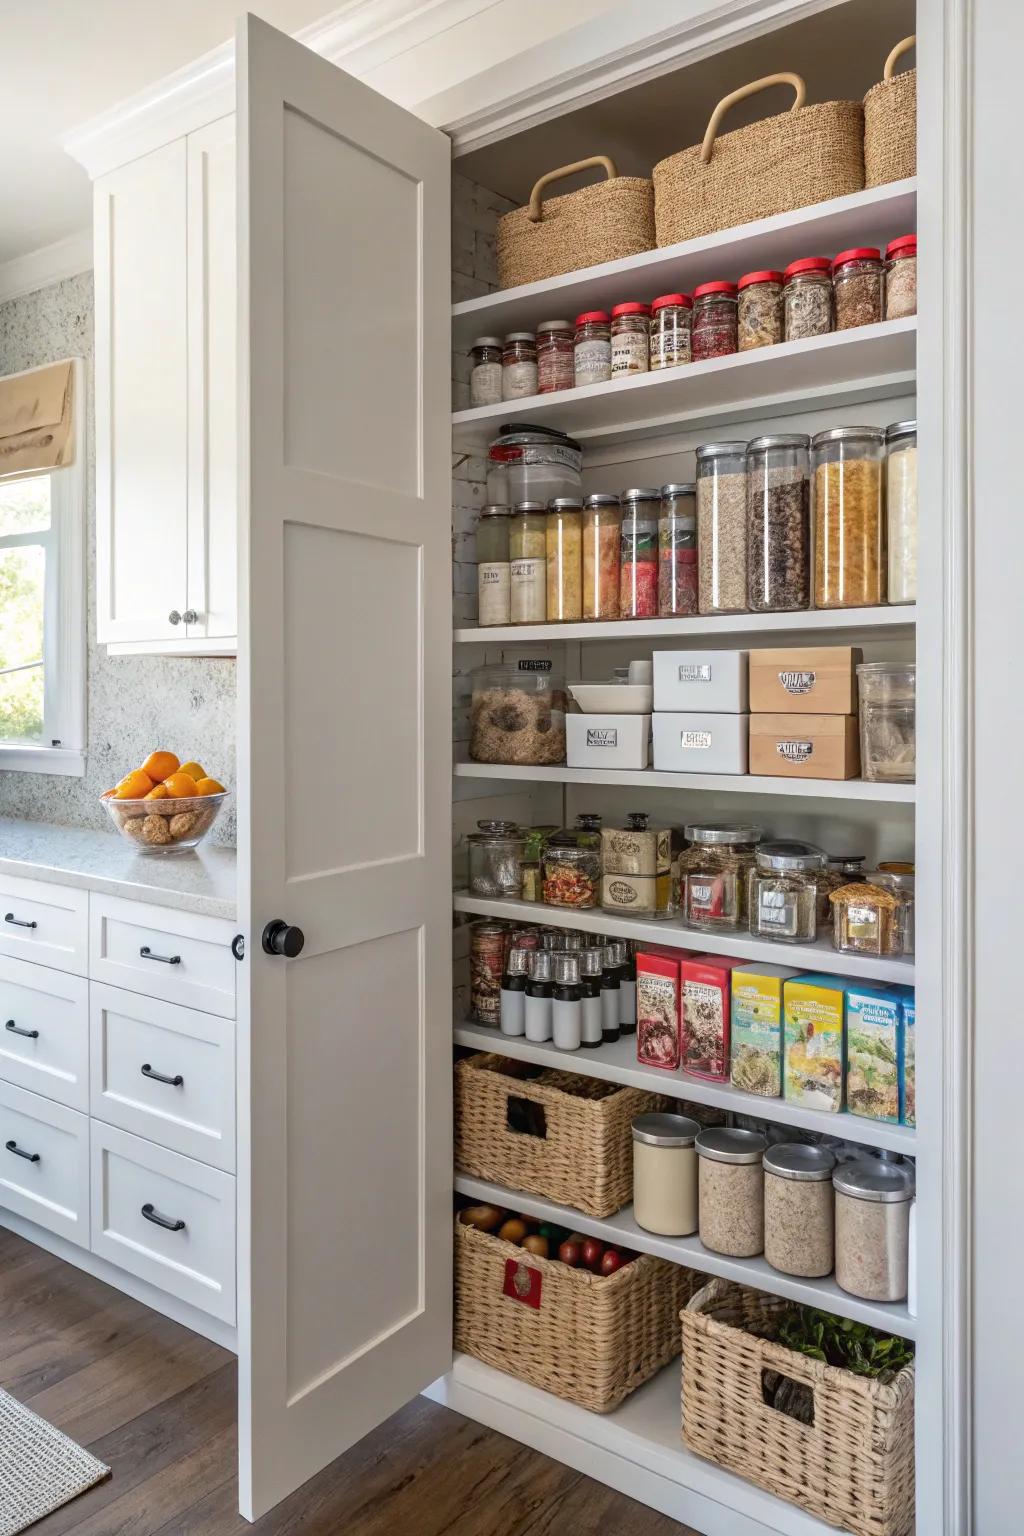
890, 123
605, 222
853, 1466
590, 1338
799, 157
550, 1133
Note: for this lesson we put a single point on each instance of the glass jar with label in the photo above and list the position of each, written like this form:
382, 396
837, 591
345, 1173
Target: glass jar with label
554, 356
671, 317
493, 570
778, 523
677, 551
901, 278
901, 509
714, 331
807, 298
902, 880
759, 310
572, 876
527, 548
631, 324
638, 570
783, 895
485, 374
592, 348
888, 721
873, 1198
519, 366
849, 536
495, 855
867, 919
714, 872
602, 546
857, 284
564, 551
722, 527
517, 714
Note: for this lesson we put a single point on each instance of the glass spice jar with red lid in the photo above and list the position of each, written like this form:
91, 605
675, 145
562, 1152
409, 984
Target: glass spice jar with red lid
857, 283
901, 278
631, 324
759, 303
714, 331
671, 318
592, 349
807, 298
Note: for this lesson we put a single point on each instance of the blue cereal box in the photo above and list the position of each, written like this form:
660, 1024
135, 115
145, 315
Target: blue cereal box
874, 1052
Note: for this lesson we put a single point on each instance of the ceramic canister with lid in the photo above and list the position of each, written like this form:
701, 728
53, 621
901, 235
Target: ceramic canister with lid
731, 1190
873, 1197
665, 1174
799, 1209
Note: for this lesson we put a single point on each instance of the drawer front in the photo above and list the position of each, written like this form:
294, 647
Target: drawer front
164, 1072
165, 1218
174, 956
48, 924
44, 1163
44, 1032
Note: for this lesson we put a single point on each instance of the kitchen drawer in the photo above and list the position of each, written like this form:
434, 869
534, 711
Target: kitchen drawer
44, 1032
45, 923
50, 1185
165, 1218
164, 1072
172, 955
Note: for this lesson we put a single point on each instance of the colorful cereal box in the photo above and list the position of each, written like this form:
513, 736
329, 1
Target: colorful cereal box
706, 999
813, 1041
874, 1052
657, 1007
756, 1028
908, 1101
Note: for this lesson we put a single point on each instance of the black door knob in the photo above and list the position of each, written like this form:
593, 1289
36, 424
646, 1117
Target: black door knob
280, 938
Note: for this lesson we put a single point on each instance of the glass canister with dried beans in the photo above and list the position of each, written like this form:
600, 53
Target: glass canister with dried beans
778, 523
849, 539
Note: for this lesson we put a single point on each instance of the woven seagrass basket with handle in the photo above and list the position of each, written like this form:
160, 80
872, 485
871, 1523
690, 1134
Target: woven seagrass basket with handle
890, 122
604, 222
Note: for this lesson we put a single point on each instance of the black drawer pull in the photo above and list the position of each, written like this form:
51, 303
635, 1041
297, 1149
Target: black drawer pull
19, 922
158, 1077
30, 1034
147, 954
152, 1214
30, 1157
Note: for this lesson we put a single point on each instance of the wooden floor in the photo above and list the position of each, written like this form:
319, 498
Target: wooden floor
157, 1404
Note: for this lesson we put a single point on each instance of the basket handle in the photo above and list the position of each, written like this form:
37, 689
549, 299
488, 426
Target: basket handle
607, 164
902, 47
785, 78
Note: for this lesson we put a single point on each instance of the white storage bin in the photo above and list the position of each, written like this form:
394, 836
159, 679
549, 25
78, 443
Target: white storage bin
700, 743
711, 682
607, 741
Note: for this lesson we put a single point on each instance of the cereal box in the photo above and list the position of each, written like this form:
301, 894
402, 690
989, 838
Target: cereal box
657, 1007
756, 1028
908, 1101
706, 999
814, 1007
874, 1052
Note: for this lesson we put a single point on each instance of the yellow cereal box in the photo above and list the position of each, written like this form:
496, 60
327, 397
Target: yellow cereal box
813, 1053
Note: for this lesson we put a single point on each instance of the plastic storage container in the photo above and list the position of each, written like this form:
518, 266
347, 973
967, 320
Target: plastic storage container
784, 892
731, 1191
888, 721
759, 311
493, 570
848, 517
592, 348
517, 715
677, 550
665, 1174
858, 283
799, 1209
873, 1227
485, 371
713, 875
901, 509
638, 572
807, 298
722, 527
714, 328
528, 463
671, 319
495, 856
564, 551
778, 523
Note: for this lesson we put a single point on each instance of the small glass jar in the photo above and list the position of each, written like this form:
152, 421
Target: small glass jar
527, 549
873, 1198
519, 366
671, 318
638, 568
759, 312
592, 348
631, 324
564, 550
901, 509
572, 876
722, 527
842, 869
602, 548
783, 892
731, 1191
587, 831
495, 855
807, 298
677, 551
714, 331
849, 541
867, 919
485, 375
486, 967
901, 278
888, 721
714, 873
554, 356
778, 523
799, 1209
857, 284
903, 882
493, 567
517, 715
665, 1174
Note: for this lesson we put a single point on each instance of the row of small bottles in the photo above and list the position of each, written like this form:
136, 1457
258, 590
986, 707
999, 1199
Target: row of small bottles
574, 996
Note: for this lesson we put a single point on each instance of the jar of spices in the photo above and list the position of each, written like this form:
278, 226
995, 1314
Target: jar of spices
631, 324
527, 548
759, 316
799, 1209
519, 366
592, 348
714, 332
873, 1199
638, 569
564, 550
848, 510
867, 919
722, 527
901, 509
554, 356
901, 278
665, 1174
783, 891
888, 721
602, 543
671, 317
807, 298
495, 853
857, 283
778, 523
714, 874
485, 374
731, 1191
572, 876
677, 551
493, 570
486, 967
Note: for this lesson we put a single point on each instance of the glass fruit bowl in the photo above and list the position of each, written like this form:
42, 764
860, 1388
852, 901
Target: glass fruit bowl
168, 825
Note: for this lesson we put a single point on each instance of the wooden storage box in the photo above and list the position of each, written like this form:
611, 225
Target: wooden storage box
809, 680
804, 746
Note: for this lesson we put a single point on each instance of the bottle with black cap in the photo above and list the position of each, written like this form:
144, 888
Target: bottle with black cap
627, 991
591, 966
566, 1009
513, 991
611, 975
538, 997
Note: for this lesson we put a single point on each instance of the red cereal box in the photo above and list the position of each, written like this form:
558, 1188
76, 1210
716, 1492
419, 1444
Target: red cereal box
705, 986
657, 1007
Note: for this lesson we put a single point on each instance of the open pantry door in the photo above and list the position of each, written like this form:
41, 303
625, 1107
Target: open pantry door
344, 1183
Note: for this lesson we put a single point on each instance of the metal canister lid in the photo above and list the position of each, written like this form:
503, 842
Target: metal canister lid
530, 506
601, 499
726, 833
796, 1160
726, 1144
898, 429
682, 488
848, 434
565, 504
496, 510
779, 440
520, 336
665, 1130
719, 450
869, 1178
790, 856
641, 493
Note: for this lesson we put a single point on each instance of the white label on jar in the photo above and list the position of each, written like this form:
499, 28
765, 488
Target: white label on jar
592, 362
795, 751
629, 354
669, 349
694, 740
691, 672
862, 923
518, 380
485, 384
494, 592
702, 894
778, 910
529, 596
602, 736
797, 682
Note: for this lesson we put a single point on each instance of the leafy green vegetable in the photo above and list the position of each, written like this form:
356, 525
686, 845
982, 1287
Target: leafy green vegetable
840, 1341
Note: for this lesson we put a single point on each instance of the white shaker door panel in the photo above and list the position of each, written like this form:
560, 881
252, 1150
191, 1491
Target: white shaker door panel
44, 1163
44, 1032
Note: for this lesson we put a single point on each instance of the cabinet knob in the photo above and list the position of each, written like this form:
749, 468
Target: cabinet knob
174, 617
279, 938
190, 616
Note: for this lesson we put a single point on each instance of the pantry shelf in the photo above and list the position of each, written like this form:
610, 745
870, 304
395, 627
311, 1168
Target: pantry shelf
616, 1062
775, 624
819, 956
736, 783
621, 1229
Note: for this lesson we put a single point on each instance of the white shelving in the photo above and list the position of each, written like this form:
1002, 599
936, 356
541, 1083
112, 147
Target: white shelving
777, 625
616, 1062
736, 783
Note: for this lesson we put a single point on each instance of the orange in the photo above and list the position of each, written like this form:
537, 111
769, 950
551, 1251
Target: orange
160, 765
158, 792
194, 770
209, 787
180, 785
134, 786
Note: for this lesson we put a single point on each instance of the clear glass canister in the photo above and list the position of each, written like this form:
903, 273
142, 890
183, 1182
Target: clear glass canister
572, 876
714, 330
665, 1174
714, 872
867, 919
760, 310
903, 882
807, 298
485, 374
527, 549
722, 527
592, 348
901, 278
671, 317
519, 366
493, 569
873, 1199
677, 550
799, 1209
848, 517
517, 715
778, 523
857, 284
888, 721
528, 463
495, 855
554, 356
901, 509
602, 544
564, 549
638, 570
783, 894
731, 1190
631, 324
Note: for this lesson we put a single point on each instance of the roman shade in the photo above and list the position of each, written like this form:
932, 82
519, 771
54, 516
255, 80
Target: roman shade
36, 421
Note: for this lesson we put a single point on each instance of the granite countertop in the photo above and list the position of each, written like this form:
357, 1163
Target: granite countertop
200, 880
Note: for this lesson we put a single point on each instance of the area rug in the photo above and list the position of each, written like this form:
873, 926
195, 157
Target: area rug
40, 1468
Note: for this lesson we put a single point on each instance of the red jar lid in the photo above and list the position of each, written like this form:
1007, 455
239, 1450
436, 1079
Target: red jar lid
592, 317
631, 309
807, 264
857, 253
759, 277
681, 299
904, 245
704, 288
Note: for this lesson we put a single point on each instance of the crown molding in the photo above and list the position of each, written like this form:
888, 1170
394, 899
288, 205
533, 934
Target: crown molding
50, 264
